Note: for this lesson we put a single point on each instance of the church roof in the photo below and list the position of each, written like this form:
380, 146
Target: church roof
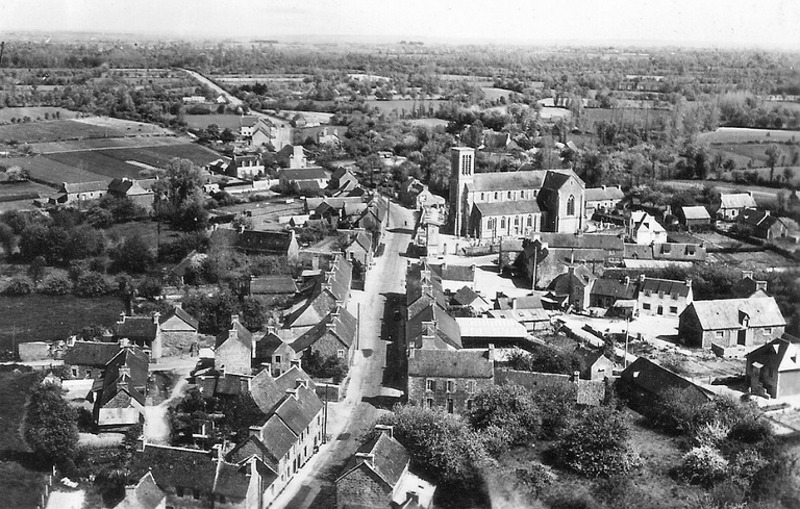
508, 208
509, 181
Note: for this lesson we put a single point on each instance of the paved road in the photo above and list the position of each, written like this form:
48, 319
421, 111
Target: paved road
351, 418
235, 101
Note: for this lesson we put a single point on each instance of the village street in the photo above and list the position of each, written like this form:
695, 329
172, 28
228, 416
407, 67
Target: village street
350, 419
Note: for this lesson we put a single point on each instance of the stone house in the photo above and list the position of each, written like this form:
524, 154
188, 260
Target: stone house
448, 379
80, 192
245, 166
360, 248
695, 216
766, 226
663, 297
119, 396
727, 323
334, 336
748, 286
773, 370
144, 331
278, 354
603, 199
178, 331
732, 204
594, 364
645, 381
378, 476
235, 349
576, 284
643, 229
139, 192
88, 359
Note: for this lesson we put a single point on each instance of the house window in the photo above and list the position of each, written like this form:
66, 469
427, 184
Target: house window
673, 310
530, 220
277, 359
646, 306
430, 385
451, 386
516, 220
509, 195
496, 196
482, 196
767, 330
469, 404
430, 402
471, 387
75, 372
719, 333
535, 192
179, 491
449, 406
571, 206
340, 354
88, 373
502, 222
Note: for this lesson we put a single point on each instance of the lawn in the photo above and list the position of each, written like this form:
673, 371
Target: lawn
738, 135
39, 317
98, 163
20, 483
34, 112
54, 131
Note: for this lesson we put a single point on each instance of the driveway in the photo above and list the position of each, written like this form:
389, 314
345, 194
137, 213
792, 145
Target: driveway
350, 419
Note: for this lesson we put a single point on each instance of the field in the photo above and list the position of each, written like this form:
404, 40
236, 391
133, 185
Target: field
96, 162
746, 135
493, 94
128, 127
759, 260
403, 105
53, 131
592, 116
51, 147
9, 191
42, 168
34, 112
38, 317
232, 122
21, 482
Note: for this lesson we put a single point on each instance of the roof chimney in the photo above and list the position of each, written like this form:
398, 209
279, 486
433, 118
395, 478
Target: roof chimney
234, 318
299, 382
367, 457
156, 317
761, 285
385, 428
121, 317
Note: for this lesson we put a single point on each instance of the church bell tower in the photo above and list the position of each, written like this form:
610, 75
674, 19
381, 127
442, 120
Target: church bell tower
462, 170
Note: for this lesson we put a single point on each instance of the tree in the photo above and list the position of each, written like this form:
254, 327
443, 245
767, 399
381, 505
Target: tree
509, 407
91, 284
191, 216
8, 241
441, 444
598, 444
133, 255
773, 154
254, 314
56, 284
50, 424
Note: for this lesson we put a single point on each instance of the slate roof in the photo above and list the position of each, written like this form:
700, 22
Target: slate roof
563, 283
298, 412
665, 286
134, 383
344, 329
267, 242
450, 364
614, 288
556, 179
194, 469
305, 174
252, 447
136, 328
84, 187
267, 345
726, 313
446, 327
737, 201
600, 194
656, 379
780, 354
273, 285
267, 391
91, 353
506, 208
183, 315
584, 241
508, 181
390, 459
239, 332
465, 296
695, 212
279, 438
145, 495
638, 252
313, 309
454, 272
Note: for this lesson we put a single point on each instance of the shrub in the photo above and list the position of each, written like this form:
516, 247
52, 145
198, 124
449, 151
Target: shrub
597, 445
56, 284
751, 431
149, 288
704, 465
712, 434
510, 408
91, 284
19, 285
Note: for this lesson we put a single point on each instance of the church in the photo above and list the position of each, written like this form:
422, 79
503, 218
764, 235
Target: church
512, 204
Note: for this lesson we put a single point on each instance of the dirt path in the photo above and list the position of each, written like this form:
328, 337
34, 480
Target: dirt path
156, 429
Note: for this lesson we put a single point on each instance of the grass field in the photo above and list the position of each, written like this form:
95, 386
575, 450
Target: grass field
729, 135
402, 105
54, 131
34, 112
20, 482
493, 94
232, 122
8, 190
39, 317
106, 143
592, 116
48, 170
96, 162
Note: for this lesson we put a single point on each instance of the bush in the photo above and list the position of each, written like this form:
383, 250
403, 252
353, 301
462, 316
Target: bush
19, 285
132, 255
597, 445
508, 407
149, 288
91, 284
56, 284
704, 465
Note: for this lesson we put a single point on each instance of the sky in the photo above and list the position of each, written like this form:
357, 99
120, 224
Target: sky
717, 23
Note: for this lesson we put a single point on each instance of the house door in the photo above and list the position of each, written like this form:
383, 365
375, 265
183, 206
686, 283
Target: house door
742, 337
660, 310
